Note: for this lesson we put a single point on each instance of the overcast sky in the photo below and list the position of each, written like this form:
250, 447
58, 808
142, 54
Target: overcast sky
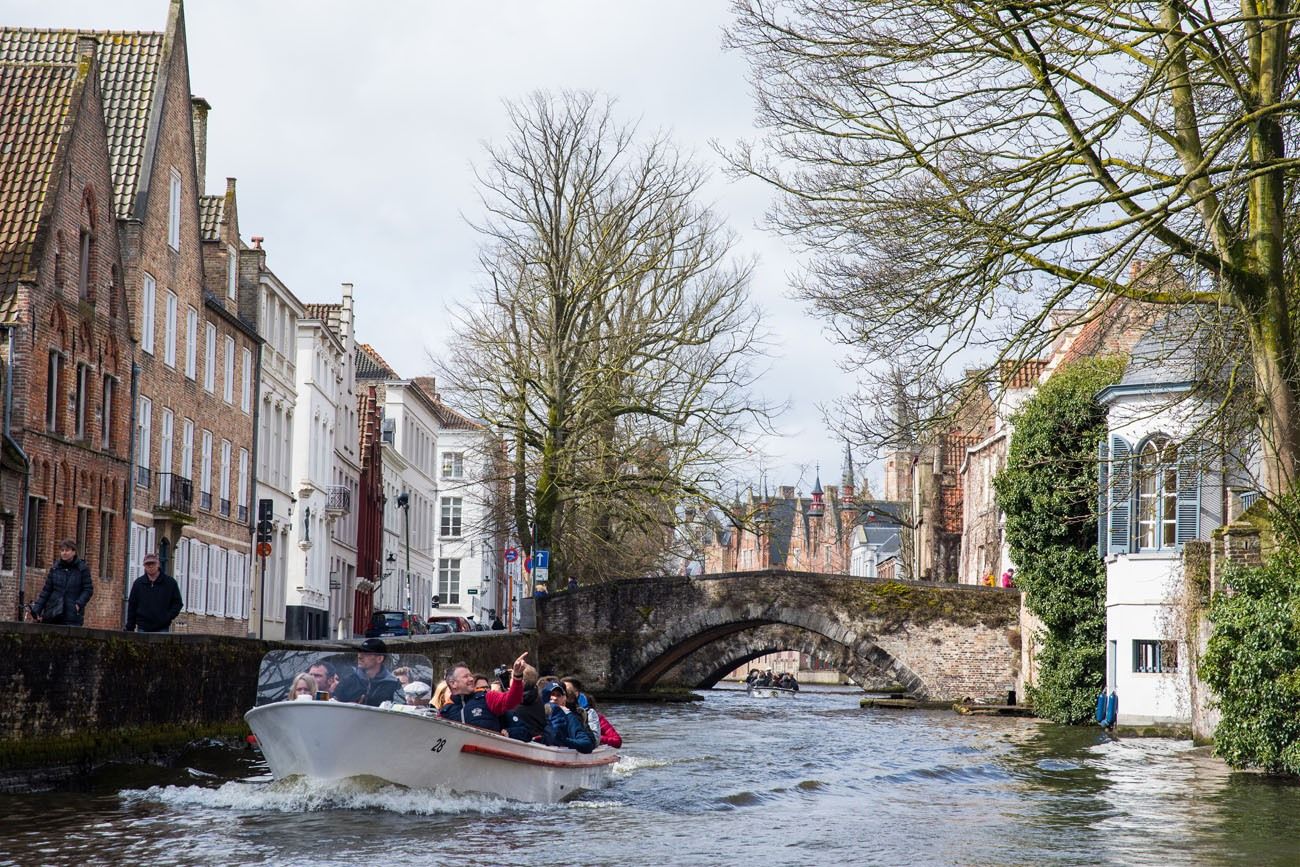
352, 127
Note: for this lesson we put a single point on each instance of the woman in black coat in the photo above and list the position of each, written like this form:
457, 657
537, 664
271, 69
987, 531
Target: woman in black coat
67, 589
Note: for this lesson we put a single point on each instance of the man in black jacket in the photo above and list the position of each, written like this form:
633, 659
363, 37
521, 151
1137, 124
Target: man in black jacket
155, 599
67, 589
372, 683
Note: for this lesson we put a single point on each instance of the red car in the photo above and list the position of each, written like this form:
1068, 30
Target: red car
459, 624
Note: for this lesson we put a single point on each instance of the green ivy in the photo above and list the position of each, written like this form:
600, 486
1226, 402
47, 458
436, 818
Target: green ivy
1252, 663
1048, 492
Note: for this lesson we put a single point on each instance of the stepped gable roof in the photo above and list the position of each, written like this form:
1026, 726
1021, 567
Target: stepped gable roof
371, 365
36, 100
330, 314
212, 212
129, 64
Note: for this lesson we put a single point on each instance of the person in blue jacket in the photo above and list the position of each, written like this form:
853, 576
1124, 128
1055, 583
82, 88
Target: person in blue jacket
563, 727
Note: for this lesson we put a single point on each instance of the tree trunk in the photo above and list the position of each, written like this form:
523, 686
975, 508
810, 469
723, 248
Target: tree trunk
1273, 357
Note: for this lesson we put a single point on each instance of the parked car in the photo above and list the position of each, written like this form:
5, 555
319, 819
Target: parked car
441, 629
459, 624
395, 623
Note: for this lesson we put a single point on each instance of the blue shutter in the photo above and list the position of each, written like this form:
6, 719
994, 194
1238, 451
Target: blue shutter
1188, 518
1102, 480
1121, 494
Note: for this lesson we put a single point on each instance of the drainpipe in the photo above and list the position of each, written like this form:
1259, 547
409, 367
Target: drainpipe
27, 470
254, 561
130, 489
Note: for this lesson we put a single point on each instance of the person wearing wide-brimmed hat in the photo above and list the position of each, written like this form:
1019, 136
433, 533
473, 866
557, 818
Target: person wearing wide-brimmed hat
372, 683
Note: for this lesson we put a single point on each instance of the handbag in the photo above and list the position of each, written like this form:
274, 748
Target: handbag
52, 610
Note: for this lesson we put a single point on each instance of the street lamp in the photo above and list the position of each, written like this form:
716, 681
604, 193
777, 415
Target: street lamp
403, 503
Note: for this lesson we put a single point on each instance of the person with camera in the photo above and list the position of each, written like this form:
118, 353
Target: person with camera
482, 709
67, 589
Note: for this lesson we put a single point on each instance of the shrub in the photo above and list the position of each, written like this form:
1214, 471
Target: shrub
1049, 494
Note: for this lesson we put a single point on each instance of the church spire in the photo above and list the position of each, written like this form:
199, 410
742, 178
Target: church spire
817, 507
846, 483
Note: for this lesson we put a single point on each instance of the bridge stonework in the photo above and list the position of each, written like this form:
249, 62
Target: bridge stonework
940, 641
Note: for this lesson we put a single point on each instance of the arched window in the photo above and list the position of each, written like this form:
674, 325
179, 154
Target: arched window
1157, 488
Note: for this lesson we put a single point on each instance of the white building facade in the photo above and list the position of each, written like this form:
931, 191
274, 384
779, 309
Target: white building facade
319, 375
410, 436
345, 476
1162, 487
277, 313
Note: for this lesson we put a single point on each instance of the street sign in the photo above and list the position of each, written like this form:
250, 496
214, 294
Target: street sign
264, 549
472, 591
512, 554
528, 565
541, 559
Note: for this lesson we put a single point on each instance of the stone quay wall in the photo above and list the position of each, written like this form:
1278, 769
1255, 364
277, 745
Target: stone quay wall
75, 697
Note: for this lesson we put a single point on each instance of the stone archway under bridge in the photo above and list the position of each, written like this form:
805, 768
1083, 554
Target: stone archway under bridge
939, 641
710, 664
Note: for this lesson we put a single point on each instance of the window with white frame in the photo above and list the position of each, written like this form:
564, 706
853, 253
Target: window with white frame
187, 449
225, 477
1155, 657
148, 302
228, 388
242, 491
453, 465
144, 427
174, 212
191, 342
205, 470
449, 580
449, 525
169, 329
210, 357
246, 383
1157, 471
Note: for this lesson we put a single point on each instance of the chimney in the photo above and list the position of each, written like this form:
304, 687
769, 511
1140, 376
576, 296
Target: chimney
199, 107
345, 314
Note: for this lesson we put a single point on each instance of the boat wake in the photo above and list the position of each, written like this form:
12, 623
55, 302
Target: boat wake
628, 765
301, 795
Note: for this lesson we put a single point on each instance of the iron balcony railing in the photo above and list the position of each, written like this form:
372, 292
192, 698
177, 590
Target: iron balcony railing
143, 477
205, 501
175, 494
338, 500
243, 513
225, 508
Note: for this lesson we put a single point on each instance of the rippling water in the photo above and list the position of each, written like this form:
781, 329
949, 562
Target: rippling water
732, 780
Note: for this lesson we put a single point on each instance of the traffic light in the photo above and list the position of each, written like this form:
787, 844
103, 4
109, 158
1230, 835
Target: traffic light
265, 511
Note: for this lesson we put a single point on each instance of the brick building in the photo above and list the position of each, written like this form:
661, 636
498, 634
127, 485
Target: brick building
370, 497
67, 356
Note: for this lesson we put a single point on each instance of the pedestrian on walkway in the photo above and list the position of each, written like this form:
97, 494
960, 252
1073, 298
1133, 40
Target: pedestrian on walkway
67, 589
155, 599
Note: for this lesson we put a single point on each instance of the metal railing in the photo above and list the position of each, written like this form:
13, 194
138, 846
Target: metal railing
205, 501
338, 500
175, 494
225, 508
243, 513
143, 477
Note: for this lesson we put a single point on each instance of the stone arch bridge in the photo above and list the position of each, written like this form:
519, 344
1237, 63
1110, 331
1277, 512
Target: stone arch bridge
940, 641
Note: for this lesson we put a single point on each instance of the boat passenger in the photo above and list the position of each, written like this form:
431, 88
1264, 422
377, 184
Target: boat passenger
481, 683
564, 728
327, 678
482, 709
441, 695
303, 686
577, 701
417, 694
600, 727
528, 721
371, 684
403, 675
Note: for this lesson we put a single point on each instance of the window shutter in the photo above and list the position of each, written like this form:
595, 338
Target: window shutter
1103, 455
1188, 517
1121, 494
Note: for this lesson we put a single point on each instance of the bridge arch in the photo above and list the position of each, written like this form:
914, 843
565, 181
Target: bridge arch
939, 641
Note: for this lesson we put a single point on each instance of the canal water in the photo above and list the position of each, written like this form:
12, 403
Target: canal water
730, 780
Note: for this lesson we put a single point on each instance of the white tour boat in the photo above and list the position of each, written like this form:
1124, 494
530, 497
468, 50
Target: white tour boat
331, 740
772, 692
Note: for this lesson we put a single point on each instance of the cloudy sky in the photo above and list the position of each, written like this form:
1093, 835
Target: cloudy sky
352, 128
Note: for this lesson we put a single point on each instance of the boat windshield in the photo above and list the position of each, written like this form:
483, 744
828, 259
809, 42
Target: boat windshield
280, 667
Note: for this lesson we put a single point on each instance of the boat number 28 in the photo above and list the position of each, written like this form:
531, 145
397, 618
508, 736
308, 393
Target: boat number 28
438, 745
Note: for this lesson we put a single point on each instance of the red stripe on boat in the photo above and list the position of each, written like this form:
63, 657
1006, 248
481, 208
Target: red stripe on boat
548, 763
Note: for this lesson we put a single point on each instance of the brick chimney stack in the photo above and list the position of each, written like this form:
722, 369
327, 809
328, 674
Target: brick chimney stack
199, 108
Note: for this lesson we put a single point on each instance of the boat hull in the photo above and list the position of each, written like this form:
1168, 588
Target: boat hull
330, 740
772, 692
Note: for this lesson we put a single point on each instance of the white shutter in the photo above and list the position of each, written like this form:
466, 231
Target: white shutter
199, 575
217, 580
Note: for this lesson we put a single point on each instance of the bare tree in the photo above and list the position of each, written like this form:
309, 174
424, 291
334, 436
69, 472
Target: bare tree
962, 170
614, 341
